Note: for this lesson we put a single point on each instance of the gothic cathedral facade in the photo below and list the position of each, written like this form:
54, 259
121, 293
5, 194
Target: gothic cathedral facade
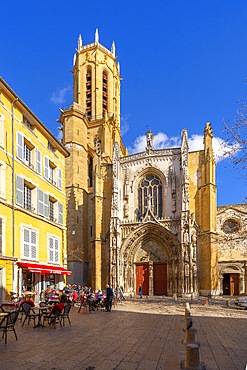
147, 218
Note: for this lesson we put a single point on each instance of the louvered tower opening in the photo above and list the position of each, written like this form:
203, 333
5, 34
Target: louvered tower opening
89, 93
104, 93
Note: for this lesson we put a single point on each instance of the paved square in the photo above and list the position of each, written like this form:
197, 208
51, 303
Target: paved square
139, 334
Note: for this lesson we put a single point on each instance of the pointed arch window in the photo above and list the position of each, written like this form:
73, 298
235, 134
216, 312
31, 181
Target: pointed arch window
104, 92
89, 93
150, 196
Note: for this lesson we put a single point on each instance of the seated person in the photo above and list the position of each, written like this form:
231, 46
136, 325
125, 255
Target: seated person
59, 306
74, 296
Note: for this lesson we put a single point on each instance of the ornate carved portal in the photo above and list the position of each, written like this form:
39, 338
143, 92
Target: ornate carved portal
156, 250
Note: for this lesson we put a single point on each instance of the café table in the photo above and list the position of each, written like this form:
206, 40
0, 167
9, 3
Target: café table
9, 305
2, 314
41, 311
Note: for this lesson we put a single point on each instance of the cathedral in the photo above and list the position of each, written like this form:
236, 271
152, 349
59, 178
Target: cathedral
148, 218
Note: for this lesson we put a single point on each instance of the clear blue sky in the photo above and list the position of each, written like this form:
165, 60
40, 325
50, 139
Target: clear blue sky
183, 63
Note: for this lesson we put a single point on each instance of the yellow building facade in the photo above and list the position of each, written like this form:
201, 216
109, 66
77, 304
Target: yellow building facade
33, 249
147, 218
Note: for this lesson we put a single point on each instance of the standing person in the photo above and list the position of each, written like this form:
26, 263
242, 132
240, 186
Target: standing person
117, 293
140, 291
109, 297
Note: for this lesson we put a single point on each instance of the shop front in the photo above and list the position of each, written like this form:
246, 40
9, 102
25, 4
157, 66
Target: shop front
35, 277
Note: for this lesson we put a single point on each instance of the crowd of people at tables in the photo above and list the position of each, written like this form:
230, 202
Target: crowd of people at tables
71, 294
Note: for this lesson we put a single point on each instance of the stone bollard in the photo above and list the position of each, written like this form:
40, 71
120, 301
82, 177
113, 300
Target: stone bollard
187, 306
190, 336
228, 303
187, 309
192, 360
175, 298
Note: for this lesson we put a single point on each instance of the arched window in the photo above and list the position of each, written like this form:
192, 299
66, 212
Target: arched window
150, 196
104, 93
89, 93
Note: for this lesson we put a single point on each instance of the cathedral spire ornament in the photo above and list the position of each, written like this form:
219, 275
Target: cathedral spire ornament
79, 42
96, 36
113, 49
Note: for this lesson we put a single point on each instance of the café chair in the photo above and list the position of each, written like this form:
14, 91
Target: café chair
65, 314
8, 324
53, 318
44, 304
29, 314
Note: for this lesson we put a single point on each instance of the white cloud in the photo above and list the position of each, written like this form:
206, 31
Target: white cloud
60, 135
161, 141
124, 125
58, 97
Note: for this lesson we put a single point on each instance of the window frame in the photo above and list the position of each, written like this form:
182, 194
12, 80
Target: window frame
52, 251
155, 191
29, 244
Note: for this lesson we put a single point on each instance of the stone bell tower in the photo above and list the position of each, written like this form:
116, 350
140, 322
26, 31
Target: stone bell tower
90, 127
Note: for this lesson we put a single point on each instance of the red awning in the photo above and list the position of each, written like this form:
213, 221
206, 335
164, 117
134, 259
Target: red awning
43, 269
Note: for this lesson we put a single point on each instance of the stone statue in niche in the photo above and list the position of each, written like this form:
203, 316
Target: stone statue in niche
186, 237
186, 269
149, 139
193, 239
126, 189
126, 210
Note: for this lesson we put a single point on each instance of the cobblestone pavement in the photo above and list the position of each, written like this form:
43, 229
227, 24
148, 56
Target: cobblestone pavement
139, 334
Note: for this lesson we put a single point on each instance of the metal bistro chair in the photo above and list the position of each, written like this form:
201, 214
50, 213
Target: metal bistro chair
65, 314
29, 314
53, 318
8, 324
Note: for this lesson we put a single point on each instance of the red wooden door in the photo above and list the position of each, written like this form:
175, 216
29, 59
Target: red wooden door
160, 279
234, 284
142, 277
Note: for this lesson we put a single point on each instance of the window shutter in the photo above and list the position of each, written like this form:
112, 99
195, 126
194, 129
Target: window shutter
19, 145
56, 260
38, 161
40, 202
46, 169
60, 213
33, 244
26, 243
19, 190
59, 178
53, 246
46, 205
51, 252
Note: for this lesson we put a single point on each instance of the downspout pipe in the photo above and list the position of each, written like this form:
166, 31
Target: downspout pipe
13, 194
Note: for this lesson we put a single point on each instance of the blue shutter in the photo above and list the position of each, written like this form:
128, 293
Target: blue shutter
59, 178
60, 213
19, 191
46, 205
40, 202
38, 161
19, 145
46, 169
